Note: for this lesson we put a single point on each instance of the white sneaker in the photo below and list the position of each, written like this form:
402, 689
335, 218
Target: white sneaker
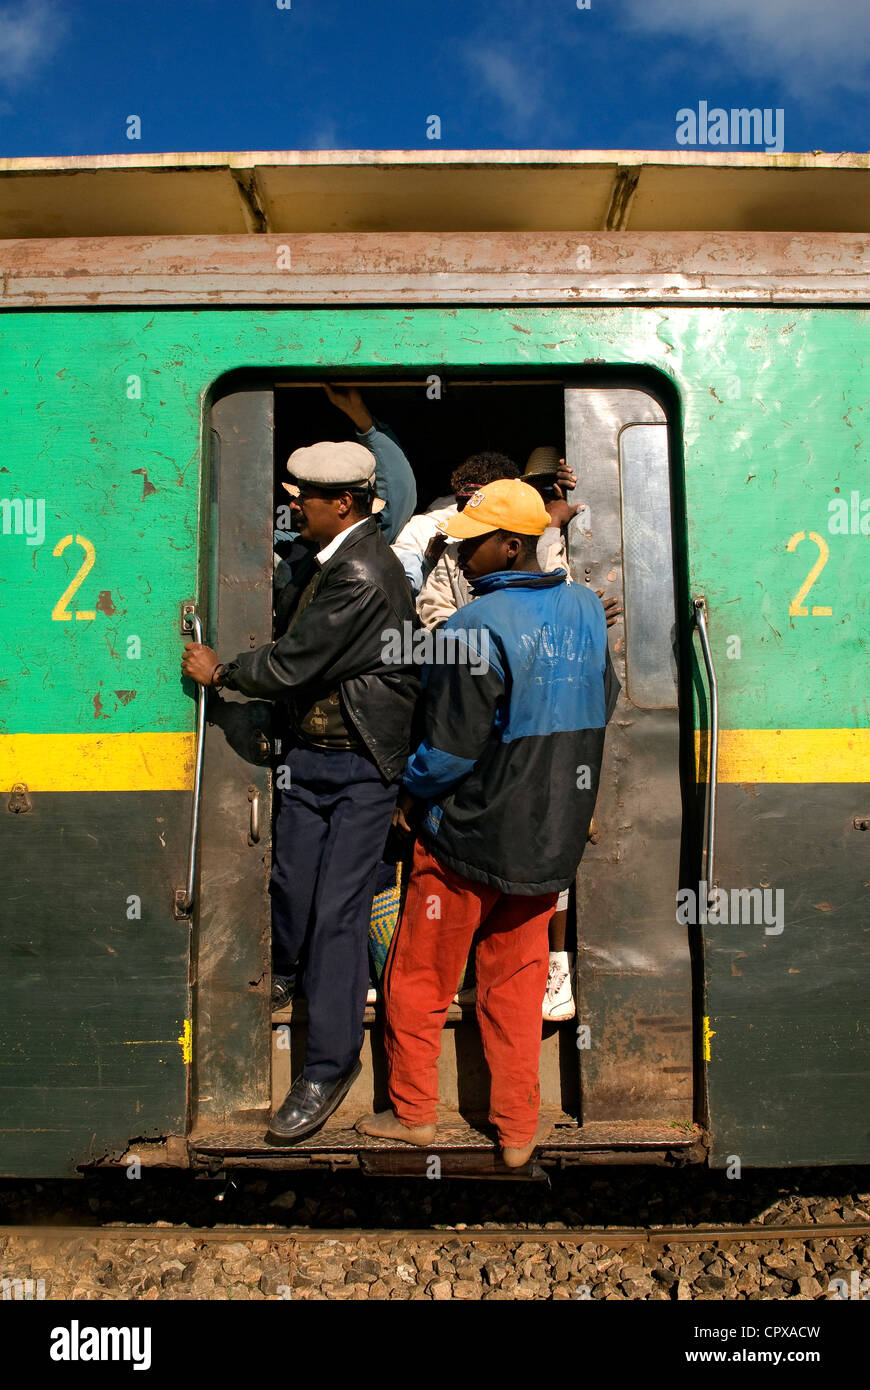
466, 996
559, 1001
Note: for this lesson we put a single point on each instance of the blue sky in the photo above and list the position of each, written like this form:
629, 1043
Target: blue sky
350, 74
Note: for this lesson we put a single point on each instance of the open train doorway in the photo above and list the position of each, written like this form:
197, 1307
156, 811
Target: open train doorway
619, 1076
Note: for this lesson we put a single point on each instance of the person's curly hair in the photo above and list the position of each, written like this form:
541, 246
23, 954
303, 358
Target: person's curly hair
480, 469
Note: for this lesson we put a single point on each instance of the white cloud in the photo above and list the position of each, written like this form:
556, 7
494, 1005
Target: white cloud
516, 77
798, 42
30, 34
326, 137
508, 79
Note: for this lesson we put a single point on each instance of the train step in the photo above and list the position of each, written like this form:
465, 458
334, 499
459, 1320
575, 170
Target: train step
463, 1075
462, 1146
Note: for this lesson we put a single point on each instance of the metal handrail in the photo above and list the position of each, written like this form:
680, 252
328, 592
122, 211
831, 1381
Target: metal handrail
192, 623
254, 829
700, 607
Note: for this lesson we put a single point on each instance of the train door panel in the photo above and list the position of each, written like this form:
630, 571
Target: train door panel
231, 960
634, 973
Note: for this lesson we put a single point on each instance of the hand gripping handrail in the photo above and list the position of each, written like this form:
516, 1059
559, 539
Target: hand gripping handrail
191, 623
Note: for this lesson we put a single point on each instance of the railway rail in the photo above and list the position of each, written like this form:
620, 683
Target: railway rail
615, 1237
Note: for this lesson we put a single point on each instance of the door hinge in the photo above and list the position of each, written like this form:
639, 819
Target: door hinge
180, 908
19, 799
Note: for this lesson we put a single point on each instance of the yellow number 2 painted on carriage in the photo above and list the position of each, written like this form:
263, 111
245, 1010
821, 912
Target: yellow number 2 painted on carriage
60, 613
796, 608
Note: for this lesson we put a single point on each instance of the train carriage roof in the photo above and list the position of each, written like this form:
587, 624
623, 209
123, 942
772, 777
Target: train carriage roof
433, 190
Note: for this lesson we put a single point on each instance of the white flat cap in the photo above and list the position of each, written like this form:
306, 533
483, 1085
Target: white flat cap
331, 465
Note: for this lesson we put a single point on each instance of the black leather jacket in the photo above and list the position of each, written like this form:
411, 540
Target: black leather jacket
340, 640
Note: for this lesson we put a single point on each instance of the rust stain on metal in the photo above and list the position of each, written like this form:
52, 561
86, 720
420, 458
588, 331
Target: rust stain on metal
253, 205
125, 696
104, 602
146, 485
436, 265
621, 198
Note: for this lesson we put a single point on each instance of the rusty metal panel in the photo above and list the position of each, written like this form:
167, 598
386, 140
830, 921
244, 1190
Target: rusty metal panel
419, 267
231, 959
634, 973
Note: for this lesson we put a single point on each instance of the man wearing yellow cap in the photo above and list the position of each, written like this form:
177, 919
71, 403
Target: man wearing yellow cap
512, 744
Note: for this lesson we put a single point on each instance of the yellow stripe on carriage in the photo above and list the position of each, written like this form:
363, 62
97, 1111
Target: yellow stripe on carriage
97, 762
788, 755
164, 761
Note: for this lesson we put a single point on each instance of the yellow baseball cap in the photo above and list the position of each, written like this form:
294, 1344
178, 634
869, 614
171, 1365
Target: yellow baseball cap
505, 505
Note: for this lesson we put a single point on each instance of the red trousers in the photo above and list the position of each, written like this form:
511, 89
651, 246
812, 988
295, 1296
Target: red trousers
442, 913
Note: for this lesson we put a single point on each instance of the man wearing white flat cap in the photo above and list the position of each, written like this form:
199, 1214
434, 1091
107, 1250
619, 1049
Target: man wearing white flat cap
346, 730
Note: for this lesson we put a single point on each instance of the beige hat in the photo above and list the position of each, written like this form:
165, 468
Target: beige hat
543, 462
333, 466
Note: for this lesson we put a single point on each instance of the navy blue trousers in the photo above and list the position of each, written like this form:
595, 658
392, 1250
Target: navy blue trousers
330, 831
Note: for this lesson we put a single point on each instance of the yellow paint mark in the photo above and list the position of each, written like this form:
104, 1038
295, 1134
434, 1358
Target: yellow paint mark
796, 608
185, 1042
788, 755
60, 613
706, 1034
97, 762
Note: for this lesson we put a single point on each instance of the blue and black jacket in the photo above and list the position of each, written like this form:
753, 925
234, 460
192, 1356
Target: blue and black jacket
515, 708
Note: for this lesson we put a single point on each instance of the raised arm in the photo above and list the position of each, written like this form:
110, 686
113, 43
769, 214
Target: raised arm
394, 477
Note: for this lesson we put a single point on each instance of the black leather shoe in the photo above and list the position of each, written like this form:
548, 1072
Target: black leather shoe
308, 1105
283, 989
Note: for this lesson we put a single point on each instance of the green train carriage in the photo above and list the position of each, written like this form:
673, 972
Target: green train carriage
166, 323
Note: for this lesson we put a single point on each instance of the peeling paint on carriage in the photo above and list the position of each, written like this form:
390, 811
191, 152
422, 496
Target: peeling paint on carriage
694, 348
428, 267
